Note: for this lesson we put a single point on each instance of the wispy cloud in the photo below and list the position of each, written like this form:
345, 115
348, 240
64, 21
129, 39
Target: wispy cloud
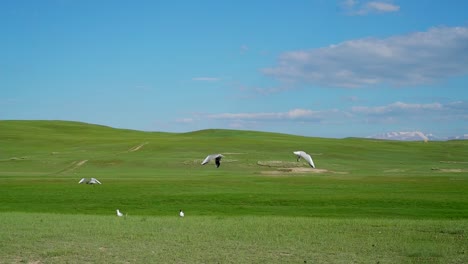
408, 112
427, 114
397, 108
206, 79
297, 114
348, 3
381, 7
353, 7
413, 59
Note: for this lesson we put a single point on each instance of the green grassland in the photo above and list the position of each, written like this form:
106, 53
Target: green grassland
368, 201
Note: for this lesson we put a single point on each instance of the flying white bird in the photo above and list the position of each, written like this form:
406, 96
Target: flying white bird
94, 181
216, 157
181, 213
307, 157
119, 214
90, 181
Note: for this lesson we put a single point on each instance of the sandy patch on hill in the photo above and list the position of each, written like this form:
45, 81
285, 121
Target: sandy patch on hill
279, 163
283, 168
74, 165
135, 148
394, 171
451, 170
296, 170
77, 164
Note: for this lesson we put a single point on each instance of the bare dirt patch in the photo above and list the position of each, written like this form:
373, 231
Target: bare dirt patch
449, 161
80, 163
452, 170
74, 165
394, 170
279, 163
296, 170
135, 148
283, 168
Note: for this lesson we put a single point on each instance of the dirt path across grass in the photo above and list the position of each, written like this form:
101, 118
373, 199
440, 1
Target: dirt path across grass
451, 170
135, 148
74, 165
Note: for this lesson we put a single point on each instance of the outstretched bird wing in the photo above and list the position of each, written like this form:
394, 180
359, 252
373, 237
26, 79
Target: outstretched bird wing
207, 159
216, 157
307, 157
82, 180
94, 180
218, 161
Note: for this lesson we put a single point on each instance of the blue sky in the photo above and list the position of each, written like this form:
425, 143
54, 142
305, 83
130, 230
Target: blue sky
315, 68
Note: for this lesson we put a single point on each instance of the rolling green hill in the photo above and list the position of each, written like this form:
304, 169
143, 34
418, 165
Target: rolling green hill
155, 173
368, 201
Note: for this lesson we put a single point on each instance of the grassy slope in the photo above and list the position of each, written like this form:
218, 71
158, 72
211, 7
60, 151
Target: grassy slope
235, 214
39, 172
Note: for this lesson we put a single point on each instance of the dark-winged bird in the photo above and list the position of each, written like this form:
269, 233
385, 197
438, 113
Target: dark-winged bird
216, 157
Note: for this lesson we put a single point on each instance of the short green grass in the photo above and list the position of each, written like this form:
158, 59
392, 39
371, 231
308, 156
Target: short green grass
373, 202
57, 238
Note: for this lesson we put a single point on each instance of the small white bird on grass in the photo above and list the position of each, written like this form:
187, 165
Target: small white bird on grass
181, 213
119, 214
90, 181
216, 157
301, 154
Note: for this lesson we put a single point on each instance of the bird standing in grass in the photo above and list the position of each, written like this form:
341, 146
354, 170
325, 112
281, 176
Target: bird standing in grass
181, 213
119, 214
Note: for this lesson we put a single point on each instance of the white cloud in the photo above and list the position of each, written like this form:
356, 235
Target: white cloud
397, 107
353, 7
381, 7
413, 59
348, 3
294, 114
394, 113
400, 112
441, 118
298, 115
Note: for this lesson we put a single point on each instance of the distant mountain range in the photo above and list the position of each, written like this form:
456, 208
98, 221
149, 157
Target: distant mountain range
415, 136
